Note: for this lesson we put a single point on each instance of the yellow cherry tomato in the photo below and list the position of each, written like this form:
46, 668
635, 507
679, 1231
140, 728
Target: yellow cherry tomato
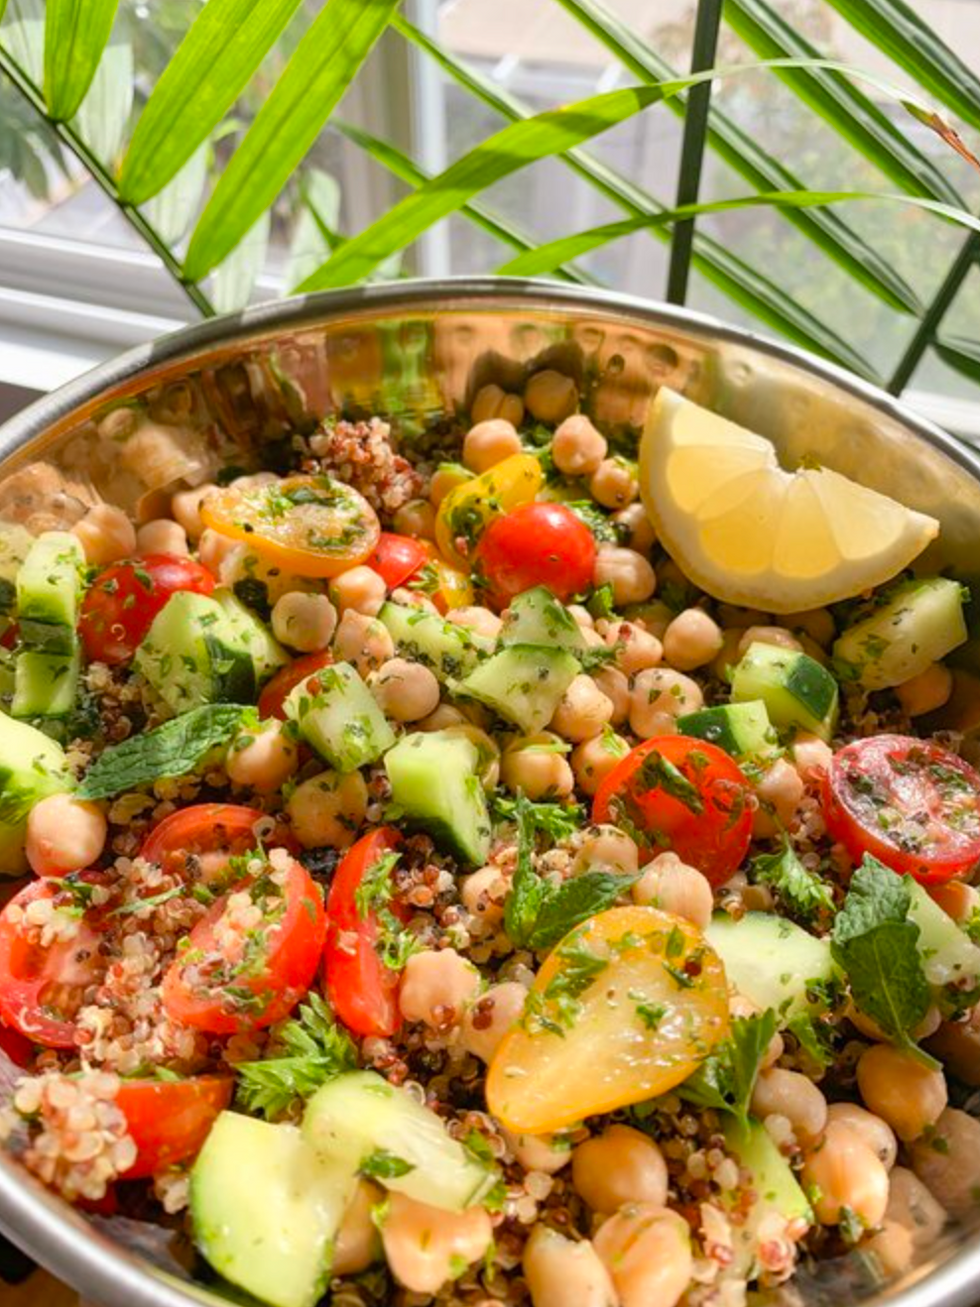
465, 512
444, 584
310, 525
626, 1007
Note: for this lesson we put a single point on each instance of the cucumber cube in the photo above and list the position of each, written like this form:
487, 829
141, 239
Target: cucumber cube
337, 715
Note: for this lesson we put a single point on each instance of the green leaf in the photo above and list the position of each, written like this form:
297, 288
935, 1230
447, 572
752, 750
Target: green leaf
172, 210
103, 116
323, 66
23, 36
315, 232
567, 905
802, 892
726, 1078
960, 353
235, 278
316, 1050
210, 69
75, 34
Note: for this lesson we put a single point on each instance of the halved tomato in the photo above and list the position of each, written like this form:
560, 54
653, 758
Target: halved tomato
169, 1120
275, 694
196, 843
397, 558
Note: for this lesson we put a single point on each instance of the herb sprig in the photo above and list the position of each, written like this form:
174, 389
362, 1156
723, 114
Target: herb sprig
317, 1050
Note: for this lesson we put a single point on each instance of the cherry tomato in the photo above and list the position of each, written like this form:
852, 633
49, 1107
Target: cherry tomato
537, 544
444, 584
122, 602
169, 1120
363, 991
275, 694
677, 793
910, 804
309, 525
195, 843
41, 987
397, 558
236, 976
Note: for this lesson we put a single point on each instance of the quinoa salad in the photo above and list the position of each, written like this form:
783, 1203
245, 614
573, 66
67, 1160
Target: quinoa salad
535, 872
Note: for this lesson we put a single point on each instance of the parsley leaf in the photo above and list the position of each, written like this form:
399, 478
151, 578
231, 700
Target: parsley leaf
658, 773
376, 889
815, 1039
382, 1165
726, 1078
803, 893
558, 821
602, 526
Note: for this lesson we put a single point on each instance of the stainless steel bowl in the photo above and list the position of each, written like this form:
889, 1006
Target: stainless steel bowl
232, 390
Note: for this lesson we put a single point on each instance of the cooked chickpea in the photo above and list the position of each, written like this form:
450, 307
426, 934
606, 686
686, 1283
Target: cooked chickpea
483, 893
647, 1250
947, 1161
328, 809
582, 616
535, 764
875, 1132
897, 1087
811, 756
957, 1045
547, 1152
360, 589
911, 1204
550, 396
423, 1245
620, 1166
630, 575
673, 886
794, 1096
843, 1172
491, 401
777, 635
817, 623
608, 847
481, 621
489, 443
578, 448
440, 720
927, 691
582, 711
871, 1030
64, 835
416, 518
161, 536
615, 686
263, 760
728, 655
436, 987
413, 599
486, 1021
661, 692
363, 641
444, 481
185, 507
305, 622
594, 759
221, 555
106, 535
614, 484
404, 691
780, 792
358, 1244
693, 639
563, 1272
892, 1246
636, 649
635, 519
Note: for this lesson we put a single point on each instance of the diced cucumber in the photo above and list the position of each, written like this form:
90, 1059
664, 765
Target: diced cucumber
253, 635
191, 655
266, 1209
770, 960
45, 684
360, 1119
741, 729
32, 766
523, 684
48, 590
537, 617
336, 713
773, 1183
450, 651
948, 955
435, 781
796, 690
912, 625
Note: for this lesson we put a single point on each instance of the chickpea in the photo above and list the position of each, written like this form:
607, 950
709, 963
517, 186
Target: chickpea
843, 1172
483, 893
693, 639
620, 1166
673, 886
615, 686
220, 555
794, 1096
871, 1030
875, 1132
728, 655
957, 1045
635, 519
423, 1245
161, 536
440, 720
486, 1021
947, 1161
614, 485
405, 691
106, 535
897, 1087
444, 481
363, 641
358, 1243
911, 1204
582, 616
582, 711
328, 809
489, 443
817, 623
636, 649
578, 448
607, 847
304, 621
927, 691
740, 1006
654, 616
594, 759
780, 792
561, 1272
892, 1246
185, 507
547, 1152
436, 987
777, 635
661, 692
550, 396
630, 575
360, 589
532, 764
64, 835
647, 1251
492, 401
479, 620
416, 518
811, 756
263, 760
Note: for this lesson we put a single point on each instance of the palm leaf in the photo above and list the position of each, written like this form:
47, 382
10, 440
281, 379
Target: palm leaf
103, 115
315, 233
172, 210
210, 69
235, 279
959, 353
75, 34
318, 74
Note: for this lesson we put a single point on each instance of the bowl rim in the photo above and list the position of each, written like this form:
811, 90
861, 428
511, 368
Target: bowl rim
39, 1222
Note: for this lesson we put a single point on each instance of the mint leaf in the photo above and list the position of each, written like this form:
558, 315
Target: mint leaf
528, 890
726, 1078
173, 749
802, 892
567, 905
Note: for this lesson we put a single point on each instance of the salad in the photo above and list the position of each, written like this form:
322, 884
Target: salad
523, 873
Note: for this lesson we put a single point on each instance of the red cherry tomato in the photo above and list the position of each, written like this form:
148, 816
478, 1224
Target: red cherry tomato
237, 975
169, 1120
396, 558
122, 602
910, 804
362, 990
537, 544
195, 843
677, 793
275, 694
42, 986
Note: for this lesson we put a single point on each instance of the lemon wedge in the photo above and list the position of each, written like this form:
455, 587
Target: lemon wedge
748, 532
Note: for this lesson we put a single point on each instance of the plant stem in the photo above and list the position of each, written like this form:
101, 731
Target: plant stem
931, 321
103, 179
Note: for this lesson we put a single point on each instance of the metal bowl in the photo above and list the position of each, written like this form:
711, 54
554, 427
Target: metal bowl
232, 390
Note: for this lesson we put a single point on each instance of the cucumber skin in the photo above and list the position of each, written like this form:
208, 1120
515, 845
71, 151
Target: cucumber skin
743, 730
795, 689
48, 591
454, 761
761, 952
45, 684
